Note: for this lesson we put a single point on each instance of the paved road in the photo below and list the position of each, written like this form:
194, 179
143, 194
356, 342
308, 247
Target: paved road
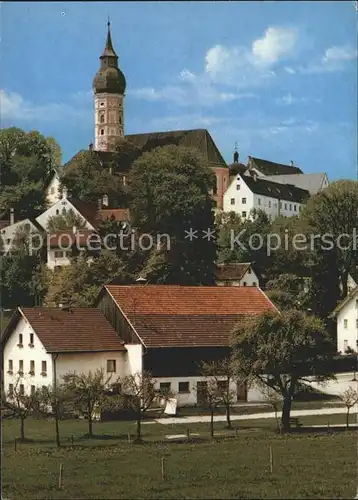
222, 418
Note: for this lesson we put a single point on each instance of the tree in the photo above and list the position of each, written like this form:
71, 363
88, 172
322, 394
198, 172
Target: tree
142, 392
221, 375
286, 292
334, 212
349, 397
66, 221
20, 405
88, 393
212, 399
281, 351
54, 399
169, 194
272, 398
89, 176
26, 160
79, 284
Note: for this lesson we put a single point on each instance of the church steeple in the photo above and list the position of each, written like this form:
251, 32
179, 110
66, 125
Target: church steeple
109, 85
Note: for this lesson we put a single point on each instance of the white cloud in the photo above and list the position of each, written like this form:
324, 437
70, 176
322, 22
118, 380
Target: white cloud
335, 58
276, 44
334, 54
291, 71
14, 107
289, 99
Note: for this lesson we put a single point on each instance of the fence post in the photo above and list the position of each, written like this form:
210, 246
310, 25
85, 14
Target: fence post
15, 444
60, 477
163, 468
271, 460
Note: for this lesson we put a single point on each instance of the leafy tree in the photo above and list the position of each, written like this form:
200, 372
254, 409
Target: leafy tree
80, 283
26, 160
334, 212
54, 400
212, 399
349, 397
88, 393
169, 189
286, 292
220, 375
141, 388
281, 351
66, 221
20, 405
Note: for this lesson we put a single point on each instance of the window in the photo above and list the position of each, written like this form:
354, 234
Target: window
295, 208
102, 104
299, 208
290, 207
33, 390
280, 204
101, 119
20, 340
259, 201
215, 186
58, 254
11, 366
345, 344
22, 390
232, 201
8, 241
102, 131
11, 389
31, 340
285, 206
44, 368
244, 283
120, 120
183, 387
32, 367
254, 283
52, 190
164, 387
269, 204
249, 270
21, 367
243, 214
57, 212
44, 387
237, 187
111, 366
345, 323
222, 385
243, 201
64, 211
27, 226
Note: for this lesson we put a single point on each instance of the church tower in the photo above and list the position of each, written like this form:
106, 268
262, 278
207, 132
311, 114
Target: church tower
109, 85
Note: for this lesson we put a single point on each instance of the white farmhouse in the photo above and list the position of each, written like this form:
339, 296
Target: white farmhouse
236, 274
15, 231
249, 191
40, 345
346, 314
86, 211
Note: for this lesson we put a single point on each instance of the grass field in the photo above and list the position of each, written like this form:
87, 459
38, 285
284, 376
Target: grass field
314, 465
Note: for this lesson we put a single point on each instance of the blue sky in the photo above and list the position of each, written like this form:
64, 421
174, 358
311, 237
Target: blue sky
278, 78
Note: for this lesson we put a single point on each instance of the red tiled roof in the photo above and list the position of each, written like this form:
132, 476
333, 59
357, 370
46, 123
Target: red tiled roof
119, 214
78, 330
67, 237
233, 271
88, 210
179, 316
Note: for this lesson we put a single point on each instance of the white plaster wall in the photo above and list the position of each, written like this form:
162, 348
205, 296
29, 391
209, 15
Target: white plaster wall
15, 353
349, 333
57, 209
134, 362
53, 193
8, 233
53, 261
90, 362
189, 398
233, 193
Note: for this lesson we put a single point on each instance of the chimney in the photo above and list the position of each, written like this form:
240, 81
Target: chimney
90, 147
12, 216
74, 230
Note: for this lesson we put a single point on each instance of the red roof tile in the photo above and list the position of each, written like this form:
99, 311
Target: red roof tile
233, 271
65, 238
119, 214
78, 330
179, 316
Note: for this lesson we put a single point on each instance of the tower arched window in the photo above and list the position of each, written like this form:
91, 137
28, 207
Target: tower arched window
101, 119
215, 185
102, 131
